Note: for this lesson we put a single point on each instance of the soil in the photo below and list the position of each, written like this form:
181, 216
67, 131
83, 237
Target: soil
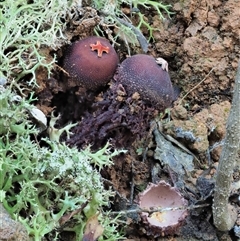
201, 44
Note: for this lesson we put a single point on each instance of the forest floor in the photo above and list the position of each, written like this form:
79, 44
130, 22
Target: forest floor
201, 44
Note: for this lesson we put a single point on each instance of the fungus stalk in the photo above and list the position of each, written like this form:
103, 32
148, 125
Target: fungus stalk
224, 214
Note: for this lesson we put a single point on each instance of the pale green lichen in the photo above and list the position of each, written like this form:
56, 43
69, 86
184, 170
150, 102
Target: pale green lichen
25, 28
54, 133
111, 10
39, 184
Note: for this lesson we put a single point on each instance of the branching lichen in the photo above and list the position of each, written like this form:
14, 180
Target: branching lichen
25, 28
39, 185
113, 15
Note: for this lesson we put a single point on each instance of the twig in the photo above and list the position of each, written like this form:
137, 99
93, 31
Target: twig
140, 37
224, 214
61, 69
154, 209
180, 101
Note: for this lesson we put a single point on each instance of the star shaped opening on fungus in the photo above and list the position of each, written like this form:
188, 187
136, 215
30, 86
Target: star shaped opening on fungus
100, 48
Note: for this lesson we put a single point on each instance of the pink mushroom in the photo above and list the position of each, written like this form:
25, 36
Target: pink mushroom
160, 196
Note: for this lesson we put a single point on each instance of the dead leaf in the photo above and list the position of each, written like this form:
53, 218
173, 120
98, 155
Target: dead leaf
93, 229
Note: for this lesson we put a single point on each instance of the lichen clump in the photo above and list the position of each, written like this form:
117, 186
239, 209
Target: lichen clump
41, 185
26, 30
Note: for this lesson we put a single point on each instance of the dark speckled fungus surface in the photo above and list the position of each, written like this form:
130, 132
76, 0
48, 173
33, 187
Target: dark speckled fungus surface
141, 73
91, 62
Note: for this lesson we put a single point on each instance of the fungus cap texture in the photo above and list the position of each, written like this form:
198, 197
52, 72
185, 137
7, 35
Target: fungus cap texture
140, 73
86, 67
162, 195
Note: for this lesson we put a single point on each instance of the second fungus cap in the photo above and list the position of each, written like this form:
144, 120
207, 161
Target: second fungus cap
91, 62
141, 73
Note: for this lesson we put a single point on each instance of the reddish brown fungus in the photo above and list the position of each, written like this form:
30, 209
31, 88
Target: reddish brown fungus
91, 62
162, 196
141, 73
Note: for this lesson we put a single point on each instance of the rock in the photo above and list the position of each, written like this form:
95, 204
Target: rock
11, 230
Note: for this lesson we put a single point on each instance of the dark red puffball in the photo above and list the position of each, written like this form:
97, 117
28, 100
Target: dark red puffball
140, 73
91, 62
